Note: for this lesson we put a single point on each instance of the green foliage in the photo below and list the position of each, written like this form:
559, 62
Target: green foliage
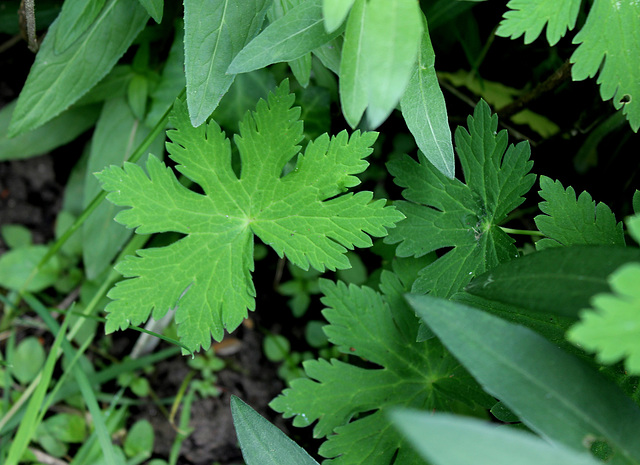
608, 42
568, 221
261, 442
214, 34
555, 394
212, 281
382, 330
381, 45
611, 328
449, 440
54, 82
462, 216
425, 113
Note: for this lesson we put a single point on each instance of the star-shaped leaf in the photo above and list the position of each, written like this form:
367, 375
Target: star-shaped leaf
443, 212
381, 329
207, 273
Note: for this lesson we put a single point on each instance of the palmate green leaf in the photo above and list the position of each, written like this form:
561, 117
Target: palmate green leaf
609, 43
610, 46
445, 439
568, 221
215, 31
425, 112
207, 274
292, 36
57, 80
443, 212
529, 17
612, 328
555, 394
382, 330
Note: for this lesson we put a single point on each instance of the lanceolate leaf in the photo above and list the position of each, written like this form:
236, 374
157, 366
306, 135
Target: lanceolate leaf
425, 113
207, 274
445, 439
574, 222
295, 34
353, 73
443, 212
263, 443
391, 41
612, 328
334, 13
57, 80
529, 17
215, 31
75, 18
610, 45
154, 8
553, 393
382, 330
560, 280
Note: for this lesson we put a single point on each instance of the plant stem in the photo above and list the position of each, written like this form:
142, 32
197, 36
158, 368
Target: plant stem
524, 232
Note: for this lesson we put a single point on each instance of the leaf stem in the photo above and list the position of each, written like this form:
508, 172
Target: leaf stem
524, 232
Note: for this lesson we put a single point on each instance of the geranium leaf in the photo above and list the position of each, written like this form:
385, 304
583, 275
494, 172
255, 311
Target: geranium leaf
571, 221
529, 17
443, 212
382, 330
207, 274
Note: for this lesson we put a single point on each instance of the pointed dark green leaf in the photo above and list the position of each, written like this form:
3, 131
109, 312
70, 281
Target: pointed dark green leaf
445, 439
75, 18
154, 8
57, 80
295, 34
425, 112
263, 443
60, 130
215, 31
555, 394
558, 280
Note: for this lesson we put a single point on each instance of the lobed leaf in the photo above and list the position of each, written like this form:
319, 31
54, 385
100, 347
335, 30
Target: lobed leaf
612, 327
443, 212
215, 31
207, 274
57, 80
381, 330
568, 221
609, 46
529, 17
